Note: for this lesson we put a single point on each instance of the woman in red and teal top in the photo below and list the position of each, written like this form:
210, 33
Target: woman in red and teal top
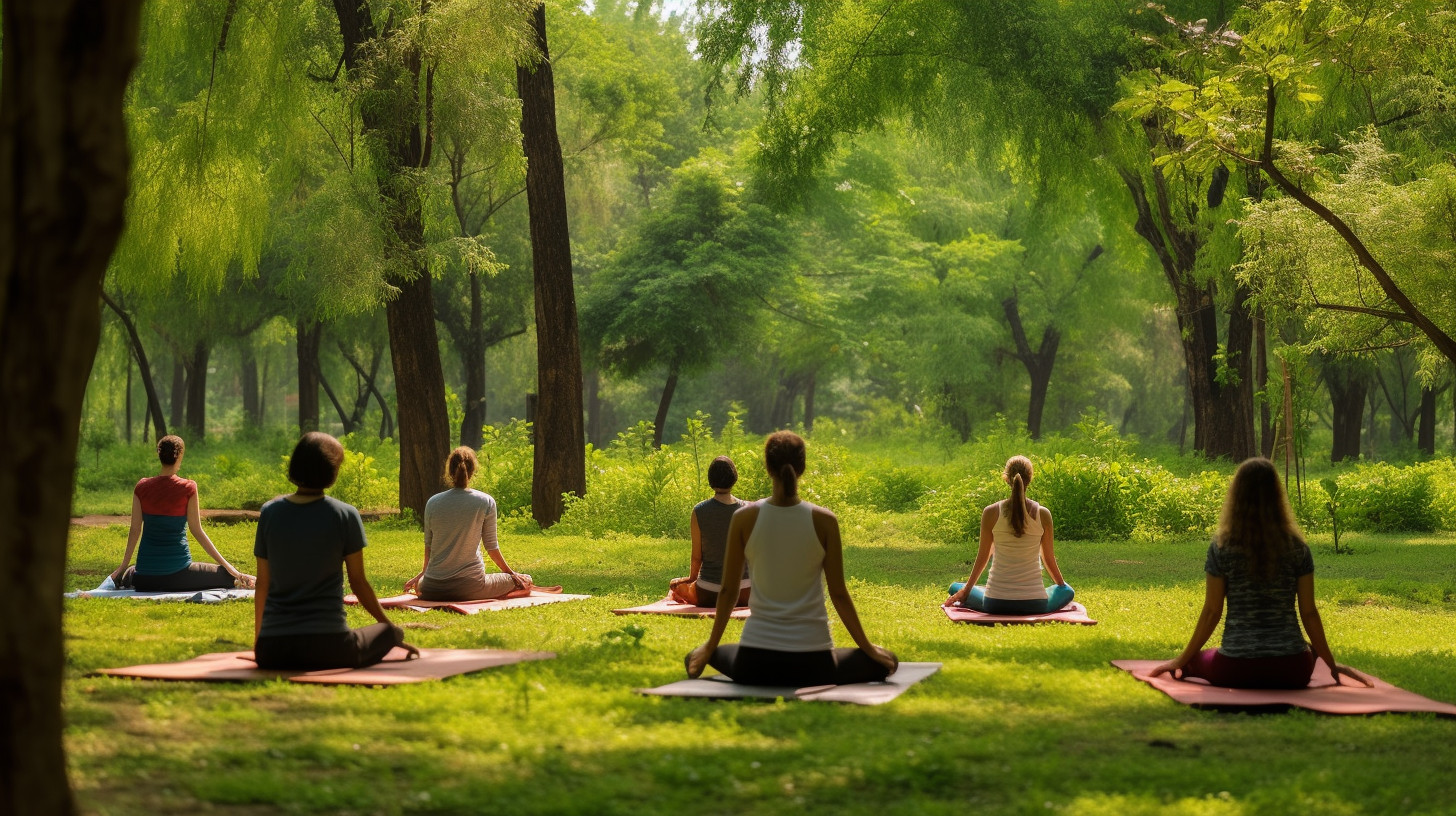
163, 507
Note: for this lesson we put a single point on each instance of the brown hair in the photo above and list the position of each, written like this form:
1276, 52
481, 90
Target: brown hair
1256, 518
1018, 475
169, 449
722, 474
315, 462
460, 467
783, 454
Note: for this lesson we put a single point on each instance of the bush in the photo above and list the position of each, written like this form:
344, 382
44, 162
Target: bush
1383, 498
953, 515
1174, 507
507, 463
1090, 498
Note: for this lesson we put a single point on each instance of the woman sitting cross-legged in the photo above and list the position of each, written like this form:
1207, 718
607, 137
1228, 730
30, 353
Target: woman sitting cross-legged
794, 549
709, 528
458, 522
304, 543
163, 508
1258, 563
1018, 531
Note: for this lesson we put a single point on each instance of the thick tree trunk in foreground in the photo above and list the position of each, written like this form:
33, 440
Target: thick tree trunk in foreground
560, 459
63, 185
310, 332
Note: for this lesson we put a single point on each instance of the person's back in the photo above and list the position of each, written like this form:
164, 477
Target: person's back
1016, 563
163, 547
305, 546
1261, 619
455, 525
786, 561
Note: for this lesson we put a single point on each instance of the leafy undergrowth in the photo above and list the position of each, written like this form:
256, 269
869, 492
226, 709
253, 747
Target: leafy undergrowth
1021, 720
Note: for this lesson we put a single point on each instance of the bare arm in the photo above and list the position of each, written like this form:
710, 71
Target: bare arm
260, 597
827, 527
354, 564
413, 584
739, 530
1213, 595
194, 523
983, 554
696, 534
1315, 628
1048, 557
132, 537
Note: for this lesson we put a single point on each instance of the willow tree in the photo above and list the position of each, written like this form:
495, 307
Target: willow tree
63, 186
1031, 84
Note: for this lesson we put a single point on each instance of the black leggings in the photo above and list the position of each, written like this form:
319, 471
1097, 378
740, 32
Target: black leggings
353, 649
769, 667
194, 577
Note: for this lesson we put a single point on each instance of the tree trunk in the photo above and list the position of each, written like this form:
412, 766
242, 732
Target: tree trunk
560, 458
1426, 437
662, 405
128, 399
1347, 385
154, 404
1038, 363
179, 391
809, 401
197, 389
252, 399
1261, 382
403, 131
63, 187
310, 332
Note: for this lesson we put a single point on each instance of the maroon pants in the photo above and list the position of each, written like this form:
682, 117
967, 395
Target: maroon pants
1288, 672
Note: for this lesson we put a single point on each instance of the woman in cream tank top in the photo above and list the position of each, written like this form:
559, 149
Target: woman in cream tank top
793, 550
1019, 532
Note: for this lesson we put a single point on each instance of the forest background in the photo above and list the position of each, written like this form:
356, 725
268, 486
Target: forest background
897, 253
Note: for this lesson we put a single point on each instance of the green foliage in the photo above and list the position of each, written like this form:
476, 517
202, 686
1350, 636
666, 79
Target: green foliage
363, 485
1381, 497
507, 461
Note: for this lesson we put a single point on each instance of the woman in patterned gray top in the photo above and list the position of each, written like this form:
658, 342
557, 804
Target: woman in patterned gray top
709, 529
1260, 564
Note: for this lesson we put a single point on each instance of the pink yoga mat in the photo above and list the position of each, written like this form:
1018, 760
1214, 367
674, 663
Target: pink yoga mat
1071, 613
414, 604
1321, 695
667, 606
433, 664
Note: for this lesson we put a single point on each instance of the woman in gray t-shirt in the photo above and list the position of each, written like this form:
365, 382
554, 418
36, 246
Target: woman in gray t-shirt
459, 523
1260, 564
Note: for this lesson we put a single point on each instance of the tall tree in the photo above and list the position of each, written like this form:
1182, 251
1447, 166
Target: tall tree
560, 449
63, 188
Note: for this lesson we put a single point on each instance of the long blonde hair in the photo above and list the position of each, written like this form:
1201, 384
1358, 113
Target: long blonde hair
1256, 518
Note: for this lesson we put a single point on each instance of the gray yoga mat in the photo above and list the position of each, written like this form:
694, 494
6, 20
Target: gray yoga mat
718, 687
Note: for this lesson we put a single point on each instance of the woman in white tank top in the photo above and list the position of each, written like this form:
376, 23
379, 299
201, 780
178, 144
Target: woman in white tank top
1022, 543
792, 549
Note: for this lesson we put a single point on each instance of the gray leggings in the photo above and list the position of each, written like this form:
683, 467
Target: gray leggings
191, 579
353, 649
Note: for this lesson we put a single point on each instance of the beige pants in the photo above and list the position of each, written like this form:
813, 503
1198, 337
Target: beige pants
472, 586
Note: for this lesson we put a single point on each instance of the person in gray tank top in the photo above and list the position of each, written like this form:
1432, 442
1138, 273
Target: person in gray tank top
1260, 564
709, 526
794, 551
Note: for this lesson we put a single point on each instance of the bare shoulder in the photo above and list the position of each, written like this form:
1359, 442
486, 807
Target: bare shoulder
748, 512
1044, 514
992, 512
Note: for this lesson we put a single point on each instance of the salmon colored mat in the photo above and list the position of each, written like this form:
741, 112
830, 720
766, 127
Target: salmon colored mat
1071, 613
432, 664
414, 604
718, 687
1321, 695
667, 606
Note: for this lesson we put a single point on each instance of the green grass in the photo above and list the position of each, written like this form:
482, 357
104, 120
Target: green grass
1027, 720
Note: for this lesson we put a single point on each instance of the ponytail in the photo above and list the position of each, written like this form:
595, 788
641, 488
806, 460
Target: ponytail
790, 480
1018, 505
1018, 475
460, 468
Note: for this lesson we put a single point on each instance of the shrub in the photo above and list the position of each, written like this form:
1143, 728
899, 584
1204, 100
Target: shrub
1090, 498
1441, 476
361, 484
953, 515
1174, 507
507, 463
1383, 498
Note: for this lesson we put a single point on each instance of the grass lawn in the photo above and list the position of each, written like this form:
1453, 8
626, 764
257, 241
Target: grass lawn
1027, 720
